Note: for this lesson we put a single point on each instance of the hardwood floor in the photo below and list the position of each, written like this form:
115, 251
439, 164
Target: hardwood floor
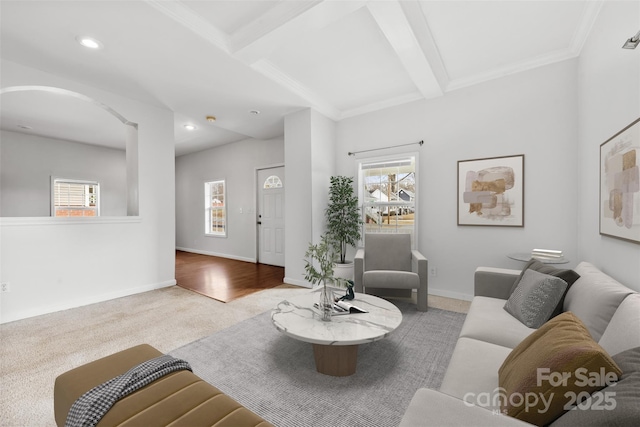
224, 279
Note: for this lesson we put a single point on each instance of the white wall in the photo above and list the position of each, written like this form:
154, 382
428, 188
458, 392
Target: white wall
323, 136
532, 113
27, 163
298, 194
310, 161
53, 263
236, 163
609, 94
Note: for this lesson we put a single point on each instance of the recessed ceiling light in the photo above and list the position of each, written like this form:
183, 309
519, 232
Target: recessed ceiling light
254, 112
190, 127
211, 119
89, 42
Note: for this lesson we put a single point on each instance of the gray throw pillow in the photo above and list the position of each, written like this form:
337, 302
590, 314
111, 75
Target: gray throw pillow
535, 298
615, 405
568, 276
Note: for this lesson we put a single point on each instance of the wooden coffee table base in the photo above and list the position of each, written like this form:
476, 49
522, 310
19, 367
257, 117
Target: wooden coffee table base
336, 360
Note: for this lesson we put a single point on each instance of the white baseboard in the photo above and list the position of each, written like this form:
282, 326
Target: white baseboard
297, 282
198, 251
79, 302
449, 294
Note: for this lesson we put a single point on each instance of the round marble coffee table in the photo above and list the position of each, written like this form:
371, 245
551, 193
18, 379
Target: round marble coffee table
335, 343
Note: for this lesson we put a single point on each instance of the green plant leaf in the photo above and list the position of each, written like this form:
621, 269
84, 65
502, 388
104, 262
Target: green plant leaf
343, 216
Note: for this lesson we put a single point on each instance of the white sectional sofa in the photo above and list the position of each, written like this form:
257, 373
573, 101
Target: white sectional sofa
609, 310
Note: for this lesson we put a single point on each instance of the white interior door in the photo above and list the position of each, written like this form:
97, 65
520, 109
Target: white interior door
271, 216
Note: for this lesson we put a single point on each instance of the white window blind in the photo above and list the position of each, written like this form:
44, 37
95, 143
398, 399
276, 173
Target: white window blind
75, 198
215, 208
388, 195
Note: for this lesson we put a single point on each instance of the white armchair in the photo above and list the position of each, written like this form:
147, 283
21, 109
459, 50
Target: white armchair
387, 266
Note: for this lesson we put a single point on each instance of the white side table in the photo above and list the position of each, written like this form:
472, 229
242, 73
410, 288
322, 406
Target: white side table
525, 257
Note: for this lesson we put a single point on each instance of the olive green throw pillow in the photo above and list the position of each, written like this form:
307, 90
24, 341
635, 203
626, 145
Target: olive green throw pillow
552, 368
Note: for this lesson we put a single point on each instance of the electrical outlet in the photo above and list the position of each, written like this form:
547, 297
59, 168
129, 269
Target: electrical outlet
433, 271
6, 287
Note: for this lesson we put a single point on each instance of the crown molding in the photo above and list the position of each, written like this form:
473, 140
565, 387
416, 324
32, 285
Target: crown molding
589, 15
402, 23
518, 67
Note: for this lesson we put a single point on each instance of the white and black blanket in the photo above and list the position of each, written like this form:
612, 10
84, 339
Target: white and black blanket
89, 409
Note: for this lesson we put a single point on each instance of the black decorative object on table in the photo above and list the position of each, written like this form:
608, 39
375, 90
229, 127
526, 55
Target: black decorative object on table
349, 295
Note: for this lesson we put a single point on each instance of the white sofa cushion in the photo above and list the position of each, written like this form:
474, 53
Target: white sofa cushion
623, 331
594, 298
429, 407
488, 321
472, 374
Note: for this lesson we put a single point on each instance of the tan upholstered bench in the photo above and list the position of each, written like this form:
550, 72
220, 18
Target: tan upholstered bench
178, 399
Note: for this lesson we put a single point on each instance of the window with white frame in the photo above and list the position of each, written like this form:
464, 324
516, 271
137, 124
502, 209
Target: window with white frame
388, 195
74, 198
215, 208
272, 181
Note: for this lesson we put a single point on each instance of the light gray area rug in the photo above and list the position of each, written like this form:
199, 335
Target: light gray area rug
274, 375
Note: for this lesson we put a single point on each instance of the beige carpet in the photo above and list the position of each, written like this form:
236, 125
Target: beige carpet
35, 351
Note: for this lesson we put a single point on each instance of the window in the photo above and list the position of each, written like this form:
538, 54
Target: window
388, 195
215, 208
272, 182
75, 198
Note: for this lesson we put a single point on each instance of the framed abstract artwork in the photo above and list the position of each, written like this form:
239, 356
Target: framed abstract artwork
491, 191
620, 184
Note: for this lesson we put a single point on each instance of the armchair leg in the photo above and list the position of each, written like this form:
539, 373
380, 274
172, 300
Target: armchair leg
420, 265
423, 299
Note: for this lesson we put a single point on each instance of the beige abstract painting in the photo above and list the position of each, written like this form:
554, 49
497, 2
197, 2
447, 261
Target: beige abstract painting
491, 191
620, 184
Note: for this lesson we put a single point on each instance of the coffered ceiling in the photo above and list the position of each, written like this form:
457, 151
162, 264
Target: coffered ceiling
227, 58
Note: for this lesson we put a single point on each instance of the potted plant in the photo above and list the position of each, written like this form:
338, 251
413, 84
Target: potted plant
343, 222
319, 261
